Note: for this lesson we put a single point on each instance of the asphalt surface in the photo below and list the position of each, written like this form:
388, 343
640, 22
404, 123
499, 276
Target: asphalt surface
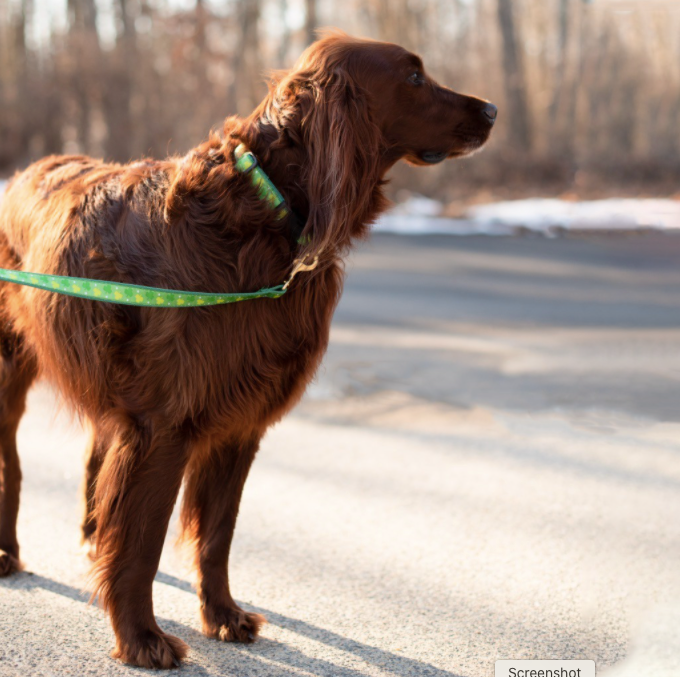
487, 467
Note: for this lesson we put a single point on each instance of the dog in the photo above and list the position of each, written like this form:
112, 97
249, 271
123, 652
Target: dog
185, 394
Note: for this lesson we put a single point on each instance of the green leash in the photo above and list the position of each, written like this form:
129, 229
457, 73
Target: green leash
131, 294
139, 295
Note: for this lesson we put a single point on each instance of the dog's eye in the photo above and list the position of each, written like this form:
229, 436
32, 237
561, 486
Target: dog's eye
416, 78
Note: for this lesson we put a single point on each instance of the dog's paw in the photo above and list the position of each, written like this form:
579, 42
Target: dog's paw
8, 563
152, 649
232, 624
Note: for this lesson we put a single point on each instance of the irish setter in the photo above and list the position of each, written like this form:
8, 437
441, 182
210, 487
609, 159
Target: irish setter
177, 395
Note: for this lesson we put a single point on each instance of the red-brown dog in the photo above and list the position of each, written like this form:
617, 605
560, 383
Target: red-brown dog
186, 394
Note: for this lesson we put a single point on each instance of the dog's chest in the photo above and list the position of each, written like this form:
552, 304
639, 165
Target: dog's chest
248, 366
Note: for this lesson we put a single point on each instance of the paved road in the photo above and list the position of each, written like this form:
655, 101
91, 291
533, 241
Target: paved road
487, 467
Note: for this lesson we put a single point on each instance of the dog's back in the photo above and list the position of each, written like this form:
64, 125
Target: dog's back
42, 203
73, 216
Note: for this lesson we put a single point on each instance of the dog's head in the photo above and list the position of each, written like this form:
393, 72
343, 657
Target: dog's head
384, 88
358, 106
419, 119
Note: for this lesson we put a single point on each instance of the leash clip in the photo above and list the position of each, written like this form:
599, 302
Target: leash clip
300, 267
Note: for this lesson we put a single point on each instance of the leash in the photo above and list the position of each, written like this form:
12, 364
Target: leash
140, 295
131, 294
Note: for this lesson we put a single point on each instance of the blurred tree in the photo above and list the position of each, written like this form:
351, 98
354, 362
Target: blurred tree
247, 65
118, 91
562, 38
84, 64
284, 44
310, 21
586, 94
514, 80
399, 21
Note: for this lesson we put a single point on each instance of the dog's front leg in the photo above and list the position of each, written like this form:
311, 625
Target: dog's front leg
137, 487
212, 496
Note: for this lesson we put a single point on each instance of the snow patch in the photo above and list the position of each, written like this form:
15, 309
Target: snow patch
417, 205
418, 216
623, 214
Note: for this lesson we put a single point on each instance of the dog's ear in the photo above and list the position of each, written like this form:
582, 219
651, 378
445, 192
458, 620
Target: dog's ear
328, 115
344, 153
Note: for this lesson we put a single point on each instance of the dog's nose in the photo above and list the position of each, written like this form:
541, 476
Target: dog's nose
490, 112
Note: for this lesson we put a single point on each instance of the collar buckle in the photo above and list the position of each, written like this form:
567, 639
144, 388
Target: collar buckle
245, 160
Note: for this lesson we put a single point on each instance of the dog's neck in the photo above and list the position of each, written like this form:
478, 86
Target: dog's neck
283, 164
286, 162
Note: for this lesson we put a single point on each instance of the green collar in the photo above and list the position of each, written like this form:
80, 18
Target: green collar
246, 163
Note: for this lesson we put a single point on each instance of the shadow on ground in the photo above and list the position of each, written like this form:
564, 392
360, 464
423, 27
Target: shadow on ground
289, 660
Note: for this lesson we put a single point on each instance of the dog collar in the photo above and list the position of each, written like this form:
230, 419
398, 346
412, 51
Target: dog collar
247, 163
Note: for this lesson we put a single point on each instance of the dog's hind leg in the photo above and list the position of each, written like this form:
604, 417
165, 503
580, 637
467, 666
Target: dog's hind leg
213, 488
136, 490
17, 372
94, 458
